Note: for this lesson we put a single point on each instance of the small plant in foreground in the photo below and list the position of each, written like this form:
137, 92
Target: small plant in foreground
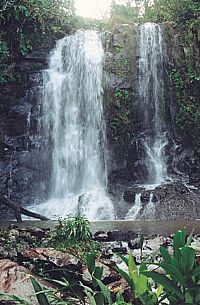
73, 235
138, 282
72, 229
181, 281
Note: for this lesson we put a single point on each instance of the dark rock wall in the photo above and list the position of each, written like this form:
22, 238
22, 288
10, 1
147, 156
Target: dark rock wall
121, 65
20, 162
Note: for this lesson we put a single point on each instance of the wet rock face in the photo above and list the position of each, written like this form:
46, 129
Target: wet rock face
170, 201
121, 64
20, 159
176, 201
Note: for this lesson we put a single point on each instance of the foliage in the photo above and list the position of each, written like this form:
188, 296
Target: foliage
122, 13
73, 235
179, 284
185, 12
182, 275
186, 89
72, 229
103, 296
26, 23
13, 298
138, 282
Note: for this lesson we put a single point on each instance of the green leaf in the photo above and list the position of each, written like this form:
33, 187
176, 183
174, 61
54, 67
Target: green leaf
99, 298
159, 291
132, 268
90, 262
105, 291
174, 273
41, 296
142, 285
187, 259
98, 271
165, 254
123, 258
165, 282
188, 298
178, 242
195, 271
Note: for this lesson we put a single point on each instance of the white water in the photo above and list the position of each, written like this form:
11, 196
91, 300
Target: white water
74, 129
133, 213
151, 90
152, 99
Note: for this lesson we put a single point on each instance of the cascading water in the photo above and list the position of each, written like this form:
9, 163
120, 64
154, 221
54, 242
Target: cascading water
151, 91
74, 128
153, 139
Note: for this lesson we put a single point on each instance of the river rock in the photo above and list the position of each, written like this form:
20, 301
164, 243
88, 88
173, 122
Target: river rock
15, 279
117, 235
100, 236
176, 201
134, 244
58, 258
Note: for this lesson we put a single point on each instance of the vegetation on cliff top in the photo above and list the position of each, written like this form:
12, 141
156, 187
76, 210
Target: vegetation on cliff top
25, 24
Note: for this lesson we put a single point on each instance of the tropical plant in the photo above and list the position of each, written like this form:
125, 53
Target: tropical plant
73, 235
181, 281
72, 229
103, 296
138, 282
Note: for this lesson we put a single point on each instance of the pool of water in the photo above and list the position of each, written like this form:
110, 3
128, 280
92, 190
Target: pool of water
158, 227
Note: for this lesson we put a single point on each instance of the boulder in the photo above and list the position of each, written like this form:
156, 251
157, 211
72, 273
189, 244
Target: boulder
15, 279
58, 258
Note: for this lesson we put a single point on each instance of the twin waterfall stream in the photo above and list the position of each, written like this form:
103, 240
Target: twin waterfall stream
74, 127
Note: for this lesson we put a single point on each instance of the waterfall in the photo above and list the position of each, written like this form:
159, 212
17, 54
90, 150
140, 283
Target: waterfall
153, 138
74, 129
151, 95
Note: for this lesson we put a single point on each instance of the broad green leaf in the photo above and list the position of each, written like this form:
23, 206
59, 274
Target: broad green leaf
179, 241
141, 286
98, 271
187, 259
99, 298
174, 273
41, 297
165, 254
188, 298
167, 284
132, 268
105, 291
195, 271
90, 262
